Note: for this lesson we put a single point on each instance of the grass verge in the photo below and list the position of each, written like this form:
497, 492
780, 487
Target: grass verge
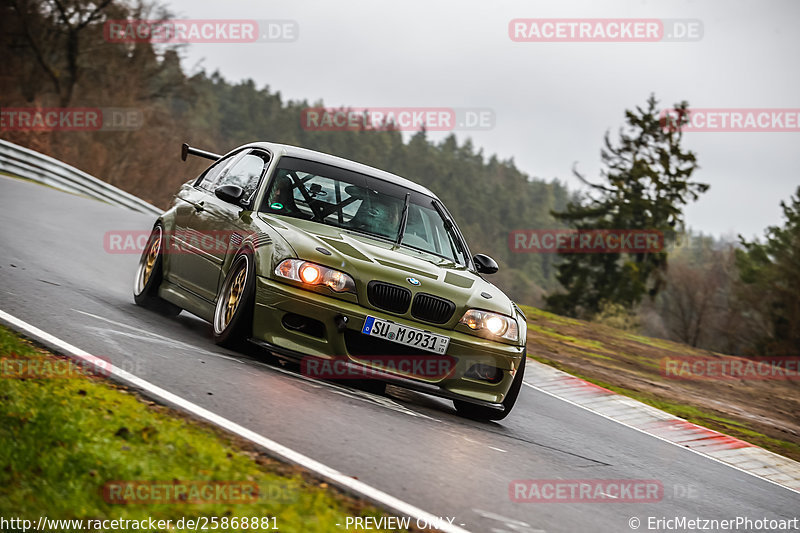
64, 440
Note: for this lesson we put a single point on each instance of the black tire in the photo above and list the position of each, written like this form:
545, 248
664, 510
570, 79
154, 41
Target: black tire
150, 274
478, 412
233, 328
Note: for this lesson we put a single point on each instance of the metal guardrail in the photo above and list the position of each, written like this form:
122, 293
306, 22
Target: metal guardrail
32, 165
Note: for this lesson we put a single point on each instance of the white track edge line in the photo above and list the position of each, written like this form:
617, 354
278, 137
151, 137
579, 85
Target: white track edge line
332, 475
662, 438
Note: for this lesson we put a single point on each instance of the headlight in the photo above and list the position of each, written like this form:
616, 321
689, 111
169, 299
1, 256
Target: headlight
492, 323
313, 274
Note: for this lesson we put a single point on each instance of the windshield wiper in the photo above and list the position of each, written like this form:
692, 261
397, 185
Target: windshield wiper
403, 219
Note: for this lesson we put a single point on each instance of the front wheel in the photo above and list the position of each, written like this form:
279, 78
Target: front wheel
149, 275
478, 412
233, 313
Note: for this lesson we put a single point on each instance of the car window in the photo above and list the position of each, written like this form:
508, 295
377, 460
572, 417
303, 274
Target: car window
380, 214
209, 178
338, 197
425, 230
335, 202
245, 173
325, 192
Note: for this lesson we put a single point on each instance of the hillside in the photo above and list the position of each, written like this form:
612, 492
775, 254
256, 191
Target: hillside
763, 412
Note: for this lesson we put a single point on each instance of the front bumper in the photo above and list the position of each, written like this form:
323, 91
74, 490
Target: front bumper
275, 301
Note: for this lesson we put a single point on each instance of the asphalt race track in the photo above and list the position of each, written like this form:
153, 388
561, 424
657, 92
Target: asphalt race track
56, 275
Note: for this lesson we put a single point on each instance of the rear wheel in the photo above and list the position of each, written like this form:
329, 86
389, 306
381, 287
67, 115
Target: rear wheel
233, 313
149, 275
478, 412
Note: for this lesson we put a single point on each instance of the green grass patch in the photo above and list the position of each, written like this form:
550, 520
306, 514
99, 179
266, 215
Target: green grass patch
550, 332
597, 356
63, 440
534, 313
660, 343
641, 360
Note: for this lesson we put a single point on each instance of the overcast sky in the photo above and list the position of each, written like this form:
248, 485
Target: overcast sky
553, 102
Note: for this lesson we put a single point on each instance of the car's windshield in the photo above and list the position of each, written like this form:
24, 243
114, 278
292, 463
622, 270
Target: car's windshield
338, 197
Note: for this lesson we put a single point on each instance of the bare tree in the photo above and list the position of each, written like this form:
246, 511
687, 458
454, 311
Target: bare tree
689, 301
57, 53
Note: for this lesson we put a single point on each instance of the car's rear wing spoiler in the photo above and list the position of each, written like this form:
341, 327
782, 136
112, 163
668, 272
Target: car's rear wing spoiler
187, 150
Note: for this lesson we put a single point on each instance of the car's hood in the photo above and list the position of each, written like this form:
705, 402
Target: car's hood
367, 259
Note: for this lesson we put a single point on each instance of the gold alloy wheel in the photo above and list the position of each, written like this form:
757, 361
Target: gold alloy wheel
150, 259
235, 294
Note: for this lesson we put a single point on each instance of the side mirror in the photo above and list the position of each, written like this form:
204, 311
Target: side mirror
485, 264
229, 193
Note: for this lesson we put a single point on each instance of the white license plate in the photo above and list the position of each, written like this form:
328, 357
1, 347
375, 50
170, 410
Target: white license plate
417, 338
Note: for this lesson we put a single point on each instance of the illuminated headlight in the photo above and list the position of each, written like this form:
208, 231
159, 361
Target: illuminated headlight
492, 323
309, 273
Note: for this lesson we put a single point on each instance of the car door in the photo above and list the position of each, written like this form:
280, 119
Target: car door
217, 227
191, 199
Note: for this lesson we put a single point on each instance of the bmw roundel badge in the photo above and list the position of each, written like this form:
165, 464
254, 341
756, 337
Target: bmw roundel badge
413, 281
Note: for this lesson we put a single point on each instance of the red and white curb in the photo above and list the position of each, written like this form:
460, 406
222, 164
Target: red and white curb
627, 411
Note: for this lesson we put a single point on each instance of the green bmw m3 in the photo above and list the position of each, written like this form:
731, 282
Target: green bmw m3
347, 269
